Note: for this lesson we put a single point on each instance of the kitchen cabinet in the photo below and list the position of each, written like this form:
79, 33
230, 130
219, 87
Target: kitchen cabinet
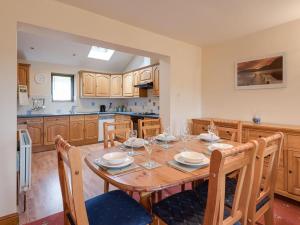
56, 125
91, 129
116, 83
88, 87
136, 92
23, 75
76, 129
145, 75
102, 85
294, 172
35, 127
128, 85
155, 74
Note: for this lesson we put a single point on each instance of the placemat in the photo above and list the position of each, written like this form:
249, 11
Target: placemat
154, 165
185, 168
116, 171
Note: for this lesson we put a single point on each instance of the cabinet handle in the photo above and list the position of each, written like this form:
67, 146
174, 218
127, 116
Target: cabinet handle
290, 171
259, 136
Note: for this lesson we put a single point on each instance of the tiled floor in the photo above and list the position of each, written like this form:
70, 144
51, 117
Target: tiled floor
44, 200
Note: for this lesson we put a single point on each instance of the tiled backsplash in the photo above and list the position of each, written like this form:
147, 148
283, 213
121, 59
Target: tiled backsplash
148, 104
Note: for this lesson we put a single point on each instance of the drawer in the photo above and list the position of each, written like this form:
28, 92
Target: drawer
56, 118
293, 141
254, 134
122, 118
76, 118
30, 120
91, 117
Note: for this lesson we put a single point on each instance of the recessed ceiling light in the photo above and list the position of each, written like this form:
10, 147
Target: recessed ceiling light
100, 53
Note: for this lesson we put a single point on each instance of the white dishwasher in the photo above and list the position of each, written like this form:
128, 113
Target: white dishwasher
110, 118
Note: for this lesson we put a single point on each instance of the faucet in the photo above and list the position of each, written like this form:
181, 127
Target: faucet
73, 109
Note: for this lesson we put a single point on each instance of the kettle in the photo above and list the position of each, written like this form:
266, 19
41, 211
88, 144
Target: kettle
102, 108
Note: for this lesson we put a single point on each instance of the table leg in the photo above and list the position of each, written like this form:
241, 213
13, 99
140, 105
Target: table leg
146, 200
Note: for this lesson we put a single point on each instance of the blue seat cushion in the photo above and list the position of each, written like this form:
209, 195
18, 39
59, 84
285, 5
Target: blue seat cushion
230, 190
116, 208
184, 208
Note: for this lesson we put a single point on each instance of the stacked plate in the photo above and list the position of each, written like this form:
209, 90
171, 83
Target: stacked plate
208, 137
191, 158
134, 142
165, 137
115, 160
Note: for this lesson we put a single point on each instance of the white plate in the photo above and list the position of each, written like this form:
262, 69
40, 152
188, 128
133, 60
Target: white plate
138, 143
208, 137
101, 162
192, 157
179, 159
115, 158
168, 138
220, 146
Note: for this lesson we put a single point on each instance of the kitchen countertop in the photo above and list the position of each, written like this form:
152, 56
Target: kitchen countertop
86, 113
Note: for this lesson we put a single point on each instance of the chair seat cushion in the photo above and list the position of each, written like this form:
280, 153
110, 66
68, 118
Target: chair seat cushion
184, 208
116, 208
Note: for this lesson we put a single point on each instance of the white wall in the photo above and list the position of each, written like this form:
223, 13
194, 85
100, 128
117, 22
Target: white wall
138, 62
221, 99
181, 95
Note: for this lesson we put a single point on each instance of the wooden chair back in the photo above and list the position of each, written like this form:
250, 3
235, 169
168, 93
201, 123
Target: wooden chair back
119, 130
267, 161
228, 129
70, 177
149, 127
221, 165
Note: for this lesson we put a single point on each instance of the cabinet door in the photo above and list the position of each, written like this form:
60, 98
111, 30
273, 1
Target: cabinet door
88, 84
145, 75
76, 128
36, 133
294, 172
136, 91
200, 126
102, 85
53, 127
91, 129
155, 81
23, 74
116, 85
128, 84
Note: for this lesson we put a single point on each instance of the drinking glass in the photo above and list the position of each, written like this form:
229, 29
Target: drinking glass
132, 138
148, 144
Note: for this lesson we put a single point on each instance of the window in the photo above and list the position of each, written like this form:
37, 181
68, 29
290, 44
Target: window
62, 87
100, 53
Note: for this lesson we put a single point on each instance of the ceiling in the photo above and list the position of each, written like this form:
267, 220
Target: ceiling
60, 50
200, 22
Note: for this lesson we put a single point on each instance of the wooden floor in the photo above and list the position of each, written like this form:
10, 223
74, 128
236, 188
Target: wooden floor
44, 198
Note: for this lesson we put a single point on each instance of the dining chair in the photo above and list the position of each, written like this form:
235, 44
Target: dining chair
228, 129
149, 127
112, 208
116, 130
208, 206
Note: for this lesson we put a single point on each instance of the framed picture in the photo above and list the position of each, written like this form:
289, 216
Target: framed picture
264, 72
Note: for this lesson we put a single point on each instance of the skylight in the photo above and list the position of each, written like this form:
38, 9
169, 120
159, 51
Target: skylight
100, 53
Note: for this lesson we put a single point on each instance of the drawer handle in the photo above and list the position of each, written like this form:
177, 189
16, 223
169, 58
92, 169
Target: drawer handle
290, 171
259, 136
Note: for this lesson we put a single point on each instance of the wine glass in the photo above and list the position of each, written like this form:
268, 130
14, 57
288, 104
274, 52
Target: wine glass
166, 134
148, 144
132, 138
212, 131
184, 137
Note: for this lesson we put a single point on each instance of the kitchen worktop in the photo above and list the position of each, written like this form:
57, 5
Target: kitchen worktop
33, 115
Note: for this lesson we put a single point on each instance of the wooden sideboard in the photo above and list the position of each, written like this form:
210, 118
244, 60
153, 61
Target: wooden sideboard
288, 177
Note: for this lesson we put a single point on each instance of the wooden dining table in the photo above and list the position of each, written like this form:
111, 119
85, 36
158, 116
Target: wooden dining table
148, 181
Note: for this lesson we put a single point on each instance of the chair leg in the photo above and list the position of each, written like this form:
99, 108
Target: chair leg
106, 187
159, 195
183, 187
269, 216
130, 193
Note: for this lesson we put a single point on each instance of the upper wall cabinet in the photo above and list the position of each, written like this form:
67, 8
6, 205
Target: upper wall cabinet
102, 85
155, 75
136, 91
116, 85
128, 85
23, 74
88, 87
145, 75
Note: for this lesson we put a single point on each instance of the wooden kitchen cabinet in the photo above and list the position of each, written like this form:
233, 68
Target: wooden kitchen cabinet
23, 75
128, 85
116, 83
91, 128
155, 74
56, 125
76, 129
294, 172
102, 85
136, 92
145, 75
35, 127
88, 87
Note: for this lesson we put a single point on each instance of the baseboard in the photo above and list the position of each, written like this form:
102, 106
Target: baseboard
11, 219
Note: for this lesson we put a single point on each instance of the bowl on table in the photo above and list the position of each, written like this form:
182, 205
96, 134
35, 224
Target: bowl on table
115, 158
165, 137
192, 157
208, 137
135, 142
